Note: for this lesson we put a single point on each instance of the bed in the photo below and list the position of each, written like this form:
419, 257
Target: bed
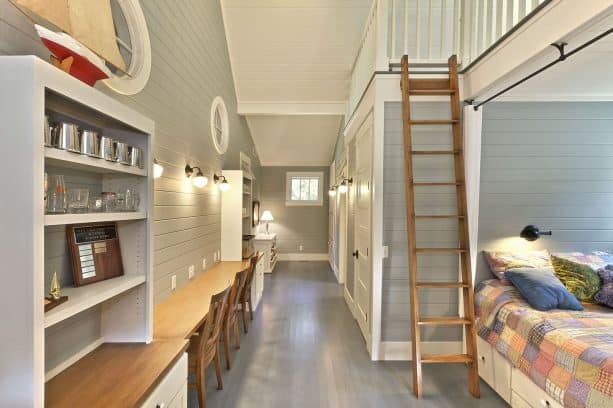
567, 354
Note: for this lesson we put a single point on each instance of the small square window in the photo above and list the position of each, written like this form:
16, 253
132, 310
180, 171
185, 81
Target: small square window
304, 188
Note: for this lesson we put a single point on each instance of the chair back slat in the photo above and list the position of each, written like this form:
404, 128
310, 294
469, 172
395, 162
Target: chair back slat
214, 321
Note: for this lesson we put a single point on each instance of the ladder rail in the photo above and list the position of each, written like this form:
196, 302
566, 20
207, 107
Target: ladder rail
465, 285
411, 234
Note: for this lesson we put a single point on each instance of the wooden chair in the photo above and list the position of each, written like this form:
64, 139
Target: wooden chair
231, 317
204, 346
245, 297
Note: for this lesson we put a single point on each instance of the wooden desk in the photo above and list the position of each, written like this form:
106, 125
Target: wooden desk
114, 375
180, 315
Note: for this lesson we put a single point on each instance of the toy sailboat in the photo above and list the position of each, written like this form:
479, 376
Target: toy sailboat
85, 41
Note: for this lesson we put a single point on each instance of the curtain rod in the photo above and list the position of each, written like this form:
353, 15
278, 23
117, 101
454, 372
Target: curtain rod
561, 47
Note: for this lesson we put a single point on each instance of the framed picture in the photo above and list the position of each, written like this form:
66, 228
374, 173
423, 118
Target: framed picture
256, 213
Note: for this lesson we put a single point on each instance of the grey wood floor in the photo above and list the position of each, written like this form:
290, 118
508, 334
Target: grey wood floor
304, 349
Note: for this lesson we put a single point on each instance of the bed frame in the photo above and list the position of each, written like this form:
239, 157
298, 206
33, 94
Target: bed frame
510, 383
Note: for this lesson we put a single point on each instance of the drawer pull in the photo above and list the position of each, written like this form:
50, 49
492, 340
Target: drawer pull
160, 405
483, 358
545, 403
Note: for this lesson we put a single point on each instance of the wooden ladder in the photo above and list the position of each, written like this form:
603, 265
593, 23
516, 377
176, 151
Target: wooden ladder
438, 87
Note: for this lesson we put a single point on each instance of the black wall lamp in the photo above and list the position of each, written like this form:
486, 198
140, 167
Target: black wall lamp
532, 233
344, 186
199, 180
223, 183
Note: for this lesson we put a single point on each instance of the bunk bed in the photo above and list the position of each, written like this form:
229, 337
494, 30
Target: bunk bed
543, 359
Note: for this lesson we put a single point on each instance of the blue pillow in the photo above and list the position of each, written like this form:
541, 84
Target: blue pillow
542, 289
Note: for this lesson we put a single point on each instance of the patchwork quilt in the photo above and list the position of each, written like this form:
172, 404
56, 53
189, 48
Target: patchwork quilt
568, 354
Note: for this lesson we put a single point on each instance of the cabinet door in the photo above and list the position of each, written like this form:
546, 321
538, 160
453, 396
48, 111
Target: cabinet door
486, 364
171, 387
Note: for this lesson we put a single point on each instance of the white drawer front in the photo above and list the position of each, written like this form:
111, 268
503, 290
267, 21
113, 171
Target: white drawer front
531, 393
518, 402
502, 375
171, 386
486, 364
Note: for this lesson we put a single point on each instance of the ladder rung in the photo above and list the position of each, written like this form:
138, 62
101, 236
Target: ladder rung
434, 122
443, 320
446, 358
438, 250
434, 217
435, 152
428, 183
431, 91
441, 285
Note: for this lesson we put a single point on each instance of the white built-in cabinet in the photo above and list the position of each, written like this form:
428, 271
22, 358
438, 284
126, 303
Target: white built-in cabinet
236, 221
510, 383
267, 244
35, 345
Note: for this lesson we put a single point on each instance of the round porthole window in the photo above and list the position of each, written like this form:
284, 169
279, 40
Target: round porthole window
219, 125
132, 38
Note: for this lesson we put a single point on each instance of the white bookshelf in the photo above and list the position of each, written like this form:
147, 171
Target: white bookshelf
67, 219
84, 297
66, 159
124, 305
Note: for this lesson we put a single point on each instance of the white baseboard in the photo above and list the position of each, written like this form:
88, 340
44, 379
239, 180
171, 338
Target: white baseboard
401, 350
303, 257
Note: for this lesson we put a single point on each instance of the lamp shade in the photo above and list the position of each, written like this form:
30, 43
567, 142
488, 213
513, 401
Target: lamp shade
267, 216
532, 233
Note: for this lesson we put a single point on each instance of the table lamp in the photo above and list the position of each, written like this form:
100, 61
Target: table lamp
267, 218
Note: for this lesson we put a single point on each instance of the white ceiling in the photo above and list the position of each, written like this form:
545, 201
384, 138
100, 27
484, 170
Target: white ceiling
296, 140
584, 76
293, 56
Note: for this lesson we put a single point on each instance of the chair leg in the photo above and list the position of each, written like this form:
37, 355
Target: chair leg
227, 347
245, 321
237, 339
250, 309
201, 387
218, 370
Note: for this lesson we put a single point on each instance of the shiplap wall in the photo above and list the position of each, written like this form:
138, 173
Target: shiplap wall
294, 225
548, 164
190, 67
430, 233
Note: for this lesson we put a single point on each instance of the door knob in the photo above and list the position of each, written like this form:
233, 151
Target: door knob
356, 254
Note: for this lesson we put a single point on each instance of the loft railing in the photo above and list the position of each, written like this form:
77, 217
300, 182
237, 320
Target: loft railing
429, 31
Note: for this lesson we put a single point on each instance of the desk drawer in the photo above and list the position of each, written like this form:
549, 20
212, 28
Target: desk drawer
172, 390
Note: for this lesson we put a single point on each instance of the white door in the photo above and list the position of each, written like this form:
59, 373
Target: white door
362, 184
331, 225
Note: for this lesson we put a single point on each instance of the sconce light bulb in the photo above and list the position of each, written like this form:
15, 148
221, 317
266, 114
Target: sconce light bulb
224, 185
158, 169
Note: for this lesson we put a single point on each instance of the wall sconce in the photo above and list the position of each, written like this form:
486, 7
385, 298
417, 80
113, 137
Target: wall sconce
223, 183
532, 233
332, 191
344, 187
158, 169
199, 180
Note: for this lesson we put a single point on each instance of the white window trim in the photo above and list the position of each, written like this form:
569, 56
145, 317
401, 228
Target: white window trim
218, 102
288, 188
140, 66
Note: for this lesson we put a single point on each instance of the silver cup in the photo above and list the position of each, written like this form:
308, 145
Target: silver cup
107, 148
47, 132
136, 156
122, 153
90, 143
68, 137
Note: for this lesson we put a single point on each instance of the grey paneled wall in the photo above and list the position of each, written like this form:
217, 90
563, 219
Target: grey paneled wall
294, 225
190, 67
549, 164
430, 233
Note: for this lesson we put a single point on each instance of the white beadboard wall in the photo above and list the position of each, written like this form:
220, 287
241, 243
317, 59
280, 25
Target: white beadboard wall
548, 164
190, 68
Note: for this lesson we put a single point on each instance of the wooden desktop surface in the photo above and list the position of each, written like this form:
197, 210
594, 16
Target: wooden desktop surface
180, 315
114, 375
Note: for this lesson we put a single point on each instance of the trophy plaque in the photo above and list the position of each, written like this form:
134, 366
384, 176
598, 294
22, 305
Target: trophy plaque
95, 253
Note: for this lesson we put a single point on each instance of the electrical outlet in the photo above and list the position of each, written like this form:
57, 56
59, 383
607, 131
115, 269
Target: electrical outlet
386, 251
173, 282
190, 271
218, 256
203, 263
301, 248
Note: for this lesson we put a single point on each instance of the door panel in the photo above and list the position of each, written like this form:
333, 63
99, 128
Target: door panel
350, 278
362, 186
